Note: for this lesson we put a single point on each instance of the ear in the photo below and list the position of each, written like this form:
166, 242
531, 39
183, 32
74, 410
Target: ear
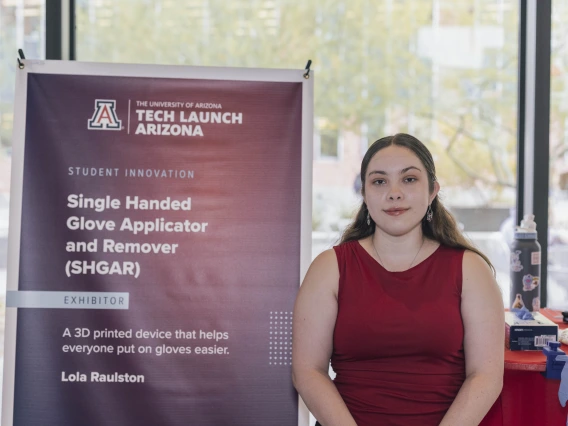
435, 192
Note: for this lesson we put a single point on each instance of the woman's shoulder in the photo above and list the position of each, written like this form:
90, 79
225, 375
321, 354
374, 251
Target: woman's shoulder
473, 258
323, 273
325, 263
479, 286
474, 263
476, 272
326, 257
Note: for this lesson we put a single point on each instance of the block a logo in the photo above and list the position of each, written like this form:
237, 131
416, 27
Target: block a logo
104, 117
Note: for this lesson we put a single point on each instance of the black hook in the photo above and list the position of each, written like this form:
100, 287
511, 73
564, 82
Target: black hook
307, 73
22, 56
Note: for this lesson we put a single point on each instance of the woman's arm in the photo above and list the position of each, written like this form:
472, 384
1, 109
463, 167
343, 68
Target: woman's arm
314, 320
484, 325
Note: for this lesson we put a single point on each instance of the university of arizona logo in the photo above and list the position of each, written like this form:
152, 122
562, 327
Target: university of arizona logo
104, 117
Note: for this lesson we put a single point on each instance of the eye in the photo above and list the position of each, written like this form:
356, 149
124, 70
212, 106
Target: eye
410, 179
378, 182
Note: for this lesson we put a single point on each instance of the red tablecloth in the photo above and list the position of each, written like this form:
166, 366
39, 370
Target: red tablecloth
529, 399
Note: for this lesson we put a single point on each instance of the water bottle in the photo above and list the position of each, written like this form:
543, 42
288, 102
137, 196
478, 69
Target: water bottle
525, 266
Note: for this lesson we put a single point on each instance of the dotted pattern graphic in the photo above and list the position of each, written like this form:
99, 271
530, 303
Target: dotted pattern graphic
280, 338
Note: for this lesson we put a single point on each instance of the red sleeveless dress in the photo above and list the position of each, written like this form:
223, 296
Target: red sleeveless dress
398, 348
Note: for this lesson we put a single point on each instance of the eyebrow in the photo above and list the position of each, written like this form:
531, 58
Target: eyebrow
381, 172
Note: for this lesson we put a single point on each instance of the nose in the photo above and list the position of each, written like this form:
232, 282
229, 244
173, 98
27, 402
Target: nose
395, 193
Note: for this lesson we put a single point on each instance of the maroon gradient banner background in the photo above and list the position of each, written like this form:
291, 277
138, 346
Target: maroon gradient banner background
236, 280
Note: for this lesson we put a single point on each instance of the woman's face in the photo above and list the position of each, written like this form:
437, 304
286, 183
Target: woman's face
396, 190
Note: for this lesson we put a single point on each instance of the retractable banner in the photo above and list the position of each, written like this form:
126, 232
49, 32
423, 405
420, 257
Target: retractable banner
160, 227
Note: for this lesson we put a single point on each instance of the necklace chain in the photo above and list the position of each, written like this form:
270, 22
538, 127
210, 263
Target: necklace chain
383, 263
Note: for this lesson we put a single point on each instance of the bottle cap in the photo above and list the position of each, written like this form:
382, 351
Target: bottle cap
528, 222
527, 229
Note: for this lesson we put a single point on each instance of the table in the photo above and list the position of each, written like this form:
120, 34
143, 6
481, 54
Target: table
528, 398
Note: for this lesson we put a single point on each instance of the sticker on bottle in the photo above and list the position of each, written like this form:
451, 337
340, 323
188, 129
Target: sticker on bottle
516, 265
530, 282
535, 258
536, 304
518, 302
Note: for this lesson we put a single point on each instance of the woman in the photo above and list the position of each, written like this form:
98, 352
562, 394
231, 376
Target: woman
406, 309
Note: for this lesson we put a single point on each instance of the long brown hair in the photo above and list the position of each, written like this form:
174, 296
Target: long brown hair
443, 227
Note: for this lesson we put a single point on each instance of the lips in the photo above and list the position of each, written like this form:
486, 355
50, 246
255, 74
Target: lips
396, 211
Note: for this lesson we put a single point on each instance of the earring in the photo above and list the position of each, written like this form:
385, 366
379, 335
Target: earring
429, 213
368, 219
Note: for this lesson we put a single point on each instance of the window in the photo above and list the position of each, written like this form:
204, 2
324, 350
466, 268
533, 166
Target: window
558, 195
327, 140
448, 76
